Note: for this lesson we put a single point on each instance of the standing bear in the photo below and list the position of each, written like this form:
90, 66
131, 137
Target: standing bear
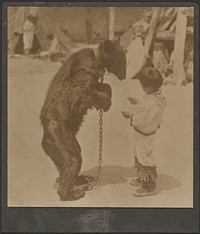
75, 89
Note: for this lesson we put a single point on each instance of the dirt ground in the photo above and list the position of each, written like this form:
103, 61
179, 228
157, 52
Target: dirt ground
31, 174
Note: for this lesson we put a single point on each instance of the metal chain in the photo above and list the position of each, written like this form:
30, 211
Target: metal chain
100, 139
100, 142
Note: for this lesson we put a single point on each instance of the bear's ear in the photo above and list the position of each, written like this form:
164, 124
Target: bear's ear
108, 47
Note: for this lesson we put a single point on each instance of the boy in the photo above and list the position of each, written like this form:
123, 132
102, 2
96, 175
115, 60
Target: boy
145, 121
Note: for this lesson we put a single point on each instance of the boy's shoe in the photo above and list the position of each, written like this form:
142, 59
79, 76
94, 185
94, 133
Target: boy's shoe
143, 192
136, 182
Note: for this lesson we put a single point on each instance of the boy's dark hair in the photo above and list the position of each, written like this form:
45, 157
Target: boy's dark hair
49, 36
150, 77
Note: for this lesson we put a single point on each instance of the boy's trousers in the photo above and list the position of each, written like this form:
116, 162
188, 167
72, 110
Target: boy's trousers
143, 149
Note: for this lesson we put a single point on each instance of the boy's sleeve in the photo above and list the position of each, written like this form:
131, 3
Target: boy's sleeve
144, 114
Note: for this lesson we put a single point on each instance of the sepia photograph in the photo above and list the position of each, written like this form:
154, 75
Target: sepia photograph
100, 106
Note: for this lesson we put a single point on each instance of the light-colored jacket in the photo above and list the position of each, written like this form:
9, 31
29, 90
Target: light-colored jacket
149, 112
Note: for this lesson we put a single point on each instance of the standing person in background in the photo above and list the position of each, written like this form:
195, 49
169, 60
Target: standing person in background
160, 57
29, 30
90, 19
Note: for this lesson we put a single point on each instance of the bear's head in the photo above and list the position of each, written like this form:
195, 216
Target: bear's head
113, 58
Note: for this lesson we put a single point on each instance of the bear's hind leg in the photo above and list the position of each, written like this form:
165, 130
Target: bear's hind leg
50, 149
68, 168
67, 181
63, 148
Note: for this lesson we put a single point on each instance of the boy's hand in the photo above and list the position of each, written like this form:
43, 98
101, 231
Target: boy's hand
126, 114
133, 100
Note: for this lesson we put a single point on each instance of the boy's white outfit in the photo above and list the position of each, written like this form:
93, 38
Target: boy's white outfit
28, 34
145, 122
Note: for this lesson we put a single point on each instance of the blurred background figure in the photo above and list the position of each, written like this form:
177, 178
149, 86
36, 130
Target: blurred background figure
90, 20
116, 38
160, 57
189, 68
54, 48
135, 53
28, 34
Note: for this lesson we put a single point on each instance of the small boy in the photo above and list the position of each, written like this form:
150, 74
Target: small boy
145, 121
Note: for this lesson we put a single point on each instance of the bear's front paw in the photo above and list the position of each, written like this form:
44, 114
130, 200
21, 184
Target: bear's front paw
104, 88
101, 100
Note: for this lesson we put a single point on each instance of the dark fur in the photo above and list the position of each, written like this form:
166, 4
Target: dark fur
74, 90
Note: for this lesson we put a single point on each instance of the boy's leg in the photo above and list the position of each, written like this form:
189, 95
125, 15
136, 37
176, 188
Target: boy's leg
138, 146
144, 149
147, 170
136, 180
148, 177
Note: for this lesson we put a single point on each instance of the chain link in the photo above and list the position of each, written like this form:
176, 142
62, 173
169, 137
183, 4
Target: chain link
100, 139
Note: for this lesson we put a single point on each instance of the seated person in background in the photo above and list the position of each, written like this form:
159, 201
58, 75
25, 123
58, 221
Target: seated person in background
168, 75
160, 57
54, 48
189, 68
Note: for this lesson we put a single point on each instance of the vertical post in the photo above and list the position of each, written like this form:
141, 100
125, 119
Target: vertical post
179, 47
111, 22
152, 28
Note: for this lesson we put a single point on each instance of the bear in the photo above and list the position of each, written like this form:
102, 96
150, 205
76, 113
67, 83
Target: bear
75, 88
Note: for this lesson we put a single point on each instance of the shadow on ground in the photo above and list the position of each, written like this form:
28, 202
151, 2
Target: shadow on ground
116, 175
166, 182
112, 174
